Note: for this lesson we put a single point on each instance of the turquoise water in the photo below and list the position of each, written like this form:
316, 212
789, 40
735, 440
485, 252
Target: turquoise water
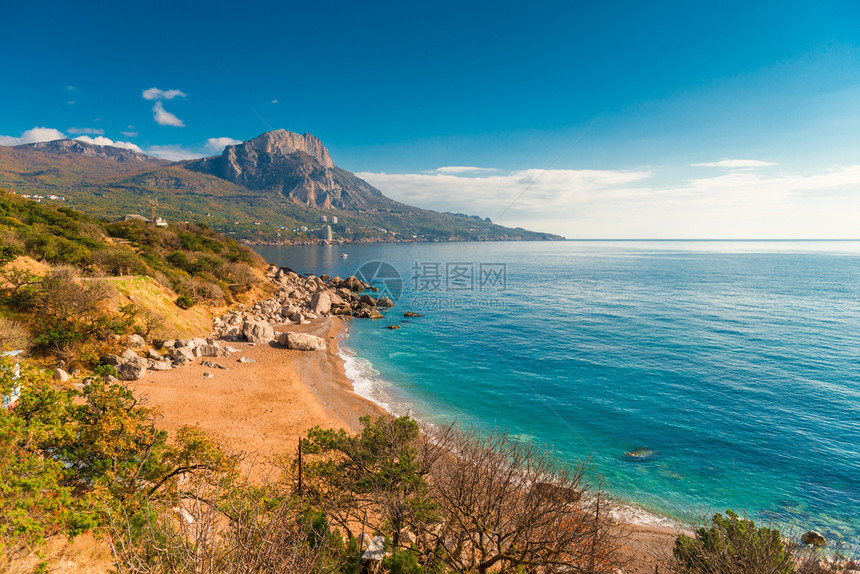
737, 363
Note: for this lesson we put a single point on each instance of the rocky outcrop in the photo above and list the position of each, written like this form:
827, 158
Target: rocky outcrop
76, 147
297, 166
301, 342
173, 353
300, 298
321, 302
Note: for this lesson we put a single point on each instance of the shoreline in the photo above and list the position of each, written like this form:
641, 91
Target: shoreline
649, 536
261, 409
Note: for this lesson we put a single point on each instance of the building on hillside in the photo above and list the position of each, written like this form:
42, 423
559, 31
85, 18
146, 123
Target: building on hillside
158, 221
333, 219
11, 399
323, 218
133, 217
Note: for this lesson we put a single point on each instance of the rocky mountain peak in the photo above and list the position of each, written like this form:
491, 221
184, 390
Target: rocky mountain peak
298, 167
75, 147
282, 143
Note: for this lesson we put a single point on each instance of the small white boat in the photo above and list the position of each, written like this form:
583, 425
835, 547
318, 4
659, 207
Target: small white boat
343, 255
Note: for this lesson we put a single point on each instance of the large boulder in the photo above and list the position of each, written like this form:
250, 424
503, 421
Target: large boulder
61, 375
384, 302
814, 538
368, 300
258, 331
321, 302
136, 341
159, 365
209, 351
353, 283
133, 369
181, 354
127, 355
301, 342
343, 309
367, 312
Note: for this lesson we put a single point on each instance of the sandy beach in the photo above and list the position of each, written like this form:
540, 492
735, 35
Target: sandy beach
261, 409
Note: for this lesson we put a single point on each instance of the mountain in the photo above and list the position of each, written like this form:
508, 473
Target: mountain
297, 166
278, 186
67, 147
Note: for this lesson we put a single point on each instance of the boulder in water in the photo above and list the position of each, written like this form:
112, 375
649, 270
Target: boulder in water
641, 453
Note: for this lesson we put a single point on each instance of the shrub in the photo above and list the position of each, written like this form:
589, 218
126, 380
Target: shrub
118, 261
184, 302
402, 562
732, 544
13, 335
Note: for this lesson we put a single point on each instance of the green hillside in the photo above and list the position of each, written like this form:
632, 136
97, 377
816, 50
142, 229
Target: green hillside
111, 189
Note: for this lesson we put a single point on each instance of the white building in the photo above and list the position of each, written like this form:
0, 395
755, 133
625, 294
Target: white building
10, 400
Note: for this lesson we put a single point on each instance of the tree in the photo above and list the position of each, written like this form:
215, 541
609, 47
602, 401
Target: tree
732, 544
507, 506
377, 478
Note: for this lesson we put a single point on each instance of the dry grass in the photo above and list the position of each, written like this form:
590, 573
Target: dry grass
83, 555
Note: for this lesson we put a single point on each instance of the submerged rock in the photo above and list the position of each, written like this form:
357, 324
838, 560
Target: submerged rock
411, 314
392, 327
641, 453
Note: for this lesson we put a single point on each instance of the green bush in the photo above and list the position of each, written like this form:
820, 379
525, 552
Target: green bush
732, 544
184, 302
402, 562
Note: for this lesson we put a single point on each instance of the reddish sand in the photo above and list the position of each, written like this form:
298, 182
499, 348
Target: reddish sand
260, 409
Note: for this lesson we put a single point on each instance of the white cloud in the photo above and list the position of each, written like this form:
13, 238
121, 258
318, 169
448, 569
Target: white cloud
734, 163
156, 94
33, 136
103, 141
172, 152
463, 169
86, 131
643, 203
129, 134
216, 145
164, 118
546, 191
274, 101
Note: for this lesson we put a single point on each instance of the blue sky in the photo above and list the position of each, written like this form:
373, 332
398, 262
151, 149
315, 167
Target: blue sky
624, 119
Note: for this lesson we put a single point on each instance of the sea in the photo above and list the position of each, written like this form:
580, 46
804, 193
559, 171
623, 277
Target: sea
731, 367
